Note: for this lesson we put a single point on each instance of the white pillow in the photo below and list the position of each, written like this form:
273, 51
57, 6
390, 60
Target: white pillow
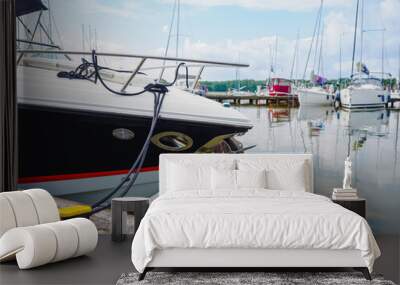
182, 177
292, 178
282, 174
251, 178
223, 179
230, 180
189, 174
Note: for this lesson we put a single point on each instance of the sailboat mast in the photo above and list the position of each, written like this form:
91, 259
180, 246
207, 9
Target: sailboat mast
238, 75
398, 82
268, 79
295, 55
355, 39
169, 38
275, 52
383, 55
83, 37
312, 40
177, 27
340, 58
317, 44
50, 25
362, 32
320, 64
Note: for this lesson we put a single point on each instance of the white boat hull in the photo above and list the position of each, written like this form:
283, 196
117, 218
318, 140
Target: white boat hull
353, 98
314, 96
395, 95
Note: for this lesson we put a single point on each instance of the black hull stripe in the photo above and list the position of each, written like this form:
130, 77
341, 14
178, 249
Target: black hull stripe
55, 141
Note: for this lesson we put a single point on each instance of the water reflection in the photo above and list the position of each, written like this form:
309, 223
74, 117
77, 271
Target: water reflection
371, 137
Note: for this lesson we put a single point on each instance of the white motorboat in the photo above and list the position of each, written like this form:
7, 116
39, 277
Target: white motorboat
78, 139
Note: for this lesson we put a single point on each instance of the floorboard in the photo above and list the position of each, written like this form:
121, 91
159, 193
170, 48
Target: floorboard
103, 266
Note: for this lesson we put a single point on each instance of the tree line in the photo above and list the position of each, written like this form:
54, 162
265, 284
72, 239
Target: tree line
251, 84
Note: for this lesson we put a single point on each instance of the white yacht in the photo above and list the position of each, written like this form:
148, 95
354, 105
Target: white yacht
364, 92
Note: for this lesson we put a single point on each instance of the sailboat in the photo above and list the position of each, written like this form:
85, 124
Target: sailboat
396, 93
315, 94
364, 91
78, 140
239, 90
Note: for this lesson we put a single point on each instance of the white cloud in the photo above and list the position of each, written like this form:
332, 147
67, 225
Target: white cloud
256, 51
390, 9
338, 28
125, 9
274, 5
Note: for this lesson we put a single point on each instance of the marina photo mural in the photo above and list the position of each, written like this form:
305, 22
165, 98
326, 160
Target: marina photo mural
105, 87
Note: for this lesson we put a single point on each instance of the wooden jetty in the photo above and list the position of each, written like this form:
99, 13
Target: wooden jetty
288, 100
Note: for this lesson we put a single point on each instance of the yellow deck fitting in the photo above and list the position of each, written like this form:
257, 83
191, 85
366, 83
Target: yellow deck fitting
74, 211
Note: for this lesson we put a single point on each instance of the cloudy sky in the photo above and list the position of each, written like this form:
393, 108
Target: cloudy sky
233, 30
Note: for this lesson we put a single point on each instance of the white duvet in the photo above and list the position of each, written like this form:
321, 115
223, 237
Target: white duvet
250, 219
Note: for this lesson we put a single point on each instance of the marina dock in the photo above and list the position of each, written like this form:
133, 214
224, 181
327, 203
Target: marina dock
290, 100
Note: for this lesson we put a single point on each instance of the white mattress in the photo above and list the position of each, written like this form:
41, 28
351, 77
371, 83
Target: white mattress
257, 219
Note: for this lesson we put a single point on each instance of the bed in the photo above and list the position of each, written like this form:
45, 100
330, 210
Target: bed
245, 211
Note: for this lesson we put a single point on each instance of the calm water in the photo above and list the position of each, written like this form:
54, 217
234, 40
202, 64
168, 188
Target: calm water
371, 136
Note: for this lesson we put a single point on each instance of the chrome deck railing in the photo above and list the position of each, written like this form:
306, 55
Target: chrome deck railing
199, 63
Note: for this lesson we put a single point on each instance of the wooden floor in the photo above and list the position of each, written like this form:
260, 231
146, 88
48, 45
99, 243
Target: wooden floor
106, 264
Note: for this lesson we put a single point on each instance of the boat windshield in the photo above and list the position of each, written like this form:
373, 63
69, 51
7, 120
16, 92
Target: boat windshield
370, 81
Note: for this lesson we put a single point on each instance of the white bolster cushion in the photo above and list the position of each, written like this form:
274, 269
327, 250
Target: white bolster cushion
7, 218
46, 207
32, 246
87, 235
40, 244
66, 238
23, 208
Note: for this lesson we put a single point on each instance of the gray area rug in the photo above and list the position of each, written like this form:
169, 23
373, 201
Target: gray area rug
273, 278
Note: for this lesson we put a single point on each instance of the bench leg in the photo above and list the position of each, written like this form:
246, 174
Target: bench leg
364, 271
143, 274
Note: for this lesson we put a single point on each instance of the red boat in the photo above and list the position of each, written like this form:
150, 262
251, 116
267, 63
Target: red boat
279, 87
